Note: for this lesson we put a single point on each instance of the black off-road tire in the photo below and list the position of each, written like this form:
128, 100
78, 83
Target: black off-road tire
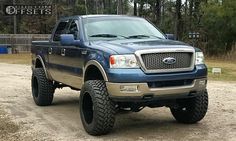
97, 110
191, 110
42, 88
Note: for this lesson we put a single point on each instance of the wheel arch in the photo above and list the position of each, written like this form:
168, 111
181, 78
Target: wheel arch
95, 66
39, 63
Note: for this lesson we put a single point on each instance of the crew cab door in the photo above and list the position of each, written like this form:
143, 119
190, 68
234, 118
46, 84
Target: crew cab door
55, 66
73, 57
66, 61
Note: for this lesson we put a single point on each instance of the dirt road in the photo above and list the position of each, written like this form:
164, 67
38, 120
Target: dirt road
21, 119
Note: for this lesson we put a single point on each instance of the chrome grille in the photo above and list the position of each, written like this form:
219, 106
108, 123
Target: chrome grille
154, 61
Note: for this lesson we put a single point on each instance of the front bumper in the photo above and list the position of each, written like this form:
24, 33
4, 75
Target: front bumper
142, 90
137, 75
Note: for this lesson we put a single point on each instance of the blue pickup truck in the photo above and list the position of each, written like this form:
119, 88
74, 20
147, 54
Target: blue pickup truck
119, 62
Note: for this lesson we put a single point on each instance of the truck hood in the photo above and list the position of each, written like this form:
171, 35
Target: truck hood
130, 46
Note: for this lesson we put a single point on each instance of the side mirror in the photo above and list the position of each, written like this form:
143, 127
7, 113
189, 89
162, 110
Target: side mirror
170, 36
68, 40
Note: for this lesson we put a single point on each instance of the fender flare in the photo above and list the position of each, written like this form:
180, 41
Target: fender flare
98, 65
42, 62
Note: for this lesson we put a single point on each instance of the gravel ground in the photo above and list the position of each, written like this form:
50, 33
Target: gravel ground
21, 119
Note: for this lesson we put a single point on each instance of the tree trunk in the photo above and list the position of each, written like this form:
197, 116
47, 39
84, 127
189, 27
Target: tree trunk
119, 7
158, 12
178, 20
190, 14
141, 9
185, 16
135, 8
163, 12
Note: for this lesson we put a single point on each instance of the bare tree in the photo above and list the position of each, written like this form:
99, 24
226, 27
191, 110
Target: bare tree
178, 27
135, 8
158, 12
190, 14
119, 7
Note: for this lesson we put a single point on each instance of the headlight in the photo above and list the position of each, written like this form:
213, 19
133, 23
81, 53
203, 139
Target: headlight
199, 58
123, 61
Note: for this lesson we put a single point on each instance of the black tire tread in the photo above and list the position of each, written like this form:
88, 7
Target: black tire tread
104, 107
197, 108
45, 88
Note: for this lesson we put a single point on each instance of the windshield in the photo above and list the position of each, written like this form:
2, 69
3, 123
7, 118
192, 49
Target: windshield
115, 28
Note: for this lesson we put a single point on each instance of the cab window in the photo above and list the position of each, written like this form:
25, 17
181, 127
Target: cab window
61, 29
73, 29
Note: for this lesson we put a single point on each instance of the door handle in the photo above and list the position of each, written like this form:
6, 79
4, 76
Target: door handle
50, 50
63, 52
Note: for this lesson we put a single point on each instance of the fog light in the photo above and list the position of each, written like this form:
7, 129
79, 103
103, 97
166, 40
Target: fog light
129, 88
202, 83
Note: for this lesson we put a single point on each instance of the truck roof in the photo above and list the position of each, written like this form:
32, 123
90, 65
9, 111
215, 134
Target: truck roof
95, 16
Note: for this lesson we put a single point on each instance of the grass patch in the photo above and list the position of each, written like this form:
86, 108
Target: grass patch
24, 58
228, 67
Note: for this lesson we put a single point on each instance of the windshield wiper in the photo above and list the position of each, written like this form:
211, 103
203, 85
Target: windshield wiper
107, 35
142, 36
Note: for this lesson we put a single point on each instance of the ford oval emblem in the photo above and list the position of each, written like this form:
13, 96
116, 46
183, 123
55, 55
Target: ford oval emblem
169, 60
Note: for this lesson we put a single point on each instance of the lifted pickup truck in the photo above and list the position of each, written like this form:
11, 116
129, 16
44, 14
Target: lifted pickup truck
119, 62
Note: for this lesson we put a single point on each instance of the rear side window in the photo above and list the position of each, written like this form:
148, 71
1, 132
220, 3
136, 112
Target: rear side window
61, 29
